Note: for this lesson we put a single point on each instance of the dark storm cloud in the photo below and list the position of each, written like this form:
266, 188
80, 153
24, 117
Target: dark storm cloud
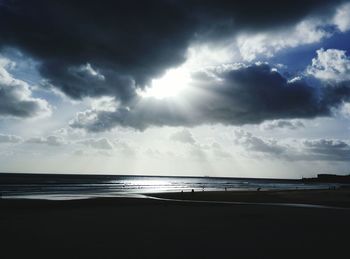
245, 95
256, 93
327, 149
130, 42
335, 94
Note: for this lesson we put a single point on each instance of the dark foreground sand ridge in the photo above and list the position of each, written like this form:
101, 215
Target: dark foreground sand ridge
146, 228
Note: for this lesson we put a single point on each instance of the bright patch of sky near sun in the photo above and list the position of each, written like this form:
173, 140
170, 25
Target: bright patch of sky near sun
170, 85
200, 56
214, 150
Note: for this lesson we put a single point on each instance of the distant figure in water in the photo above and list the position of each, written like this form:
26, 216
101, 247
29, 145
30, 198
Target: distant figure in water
225, 189
258, 189
192, 191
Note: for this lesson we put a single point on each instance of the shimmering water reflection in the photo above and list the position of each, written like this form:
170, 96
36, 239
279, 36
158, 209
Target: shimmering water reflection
80, 187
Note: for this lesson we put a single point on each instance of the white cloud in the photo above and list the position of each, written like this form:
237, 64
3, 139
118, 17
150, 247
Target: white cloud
256, 144
79, 152
88, 117
101, 143
345, 110
266, 44
124, 148
203, 55
342, 17
16, 98
87, 72
197, 153
9, 138
69, 133
105, 103
219, 152
294, 149
184, 136
50, 140
279, 124
330, 65
308, 31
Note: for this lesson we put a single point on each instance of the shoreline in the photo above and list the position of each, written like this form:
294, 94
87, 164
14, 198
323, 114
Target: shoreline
337, 198
332, 198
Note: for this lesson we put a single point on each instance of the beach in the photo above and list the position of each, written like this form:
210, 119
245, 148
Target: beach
331, 197
151, 228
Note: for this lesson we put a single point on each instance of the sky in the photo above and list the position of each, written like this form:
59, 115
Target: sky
175, 87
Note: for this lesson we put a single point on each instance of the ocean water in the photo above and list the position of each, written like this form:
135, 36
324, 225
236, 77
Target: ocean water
64, 187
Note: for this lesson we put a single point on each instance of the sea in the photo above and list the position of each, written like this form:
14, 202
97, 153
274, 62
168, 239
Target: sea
68, 187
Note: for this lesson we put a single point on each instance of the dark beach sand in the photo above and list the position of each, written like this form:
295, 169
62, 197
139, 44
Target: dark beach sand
146, 228
334, 198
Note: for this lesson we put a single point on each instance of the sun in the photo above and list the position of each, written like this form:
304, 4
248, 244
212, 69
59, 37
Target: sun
170, 85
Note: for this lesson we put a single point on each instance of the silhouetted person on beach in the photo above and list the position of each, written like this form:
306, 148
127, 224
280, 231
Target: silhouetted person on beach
192, 191
258, 189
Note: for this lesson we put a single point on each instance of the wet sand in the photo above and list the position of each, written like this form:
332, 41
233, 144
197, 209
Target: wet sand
334, 198
146, 228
